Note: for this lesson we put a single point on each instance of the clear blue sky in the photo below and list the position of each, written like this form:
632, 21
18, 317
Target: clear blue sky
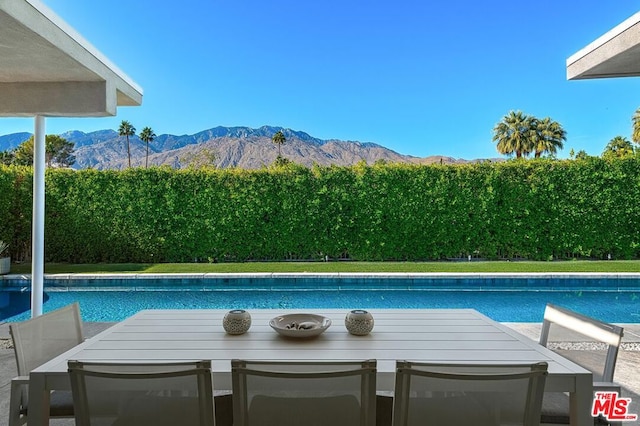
419, 77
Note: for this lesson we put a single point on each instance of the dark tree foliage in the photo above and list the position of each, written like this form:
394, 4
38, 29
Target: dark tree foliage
58, 152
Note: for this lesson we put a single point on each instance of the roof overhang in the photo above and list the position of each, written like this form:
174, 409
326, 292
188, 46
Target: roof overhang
47, 68
615, 54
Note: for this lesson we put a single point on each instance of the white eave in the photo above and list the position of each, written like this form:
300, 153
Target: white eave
615, 54
47, 68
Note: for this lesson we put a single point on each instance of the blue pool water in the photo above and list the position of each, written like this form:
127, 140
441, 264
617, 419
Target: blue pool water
516, 306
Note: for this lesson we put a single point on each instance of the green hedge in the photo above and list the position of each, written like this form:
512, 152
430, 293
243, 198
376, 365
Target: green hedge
539, 209
16, 186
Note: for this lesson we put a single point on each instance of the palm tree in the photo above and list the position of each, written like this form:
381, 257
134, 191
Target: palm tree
147, 136
548, 136
582, 155
279, 139
636, 126
126, 129
618, 147
514, 134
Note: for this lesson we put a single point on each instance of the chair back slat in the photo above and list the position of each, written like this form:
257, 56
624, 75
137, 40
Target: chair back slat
42, 338
468, 394
309, 393
165, 394
574, 328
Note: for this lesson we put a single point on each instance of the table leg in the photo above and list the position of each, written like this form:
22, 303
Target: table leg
581, 401
38, 401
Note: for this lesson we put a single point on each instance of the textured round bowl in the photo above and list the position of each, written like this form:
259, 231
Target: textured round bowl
300, 325
237, 321
359, 322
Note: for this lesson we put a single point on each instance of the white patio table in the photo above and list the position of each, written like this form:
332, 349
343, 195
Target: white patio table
446, 335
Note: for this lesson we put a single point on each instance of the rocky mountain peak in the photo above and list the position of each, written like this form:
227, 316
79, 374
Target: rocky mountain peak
220, 146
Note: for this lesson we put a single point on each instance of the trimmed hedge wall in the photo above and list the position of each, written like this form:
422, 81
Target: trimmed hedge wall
16, 204
538, 209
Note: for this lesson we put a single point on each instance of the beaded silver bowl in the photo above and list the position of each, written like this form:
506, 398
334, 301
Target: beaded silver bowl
359, 322
237, 321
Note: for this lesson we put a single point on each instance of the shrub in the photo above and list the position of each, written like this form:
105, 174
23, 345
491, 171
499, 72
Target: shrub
542, 209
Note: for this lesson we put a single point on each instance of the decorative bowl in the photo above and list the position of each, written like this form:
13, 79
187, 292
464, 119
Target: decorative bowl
300, 325
359, 322
237, 321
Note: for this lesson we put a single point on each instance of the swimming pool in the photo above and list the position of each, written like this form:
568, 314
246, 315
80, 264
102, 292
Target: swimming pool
503, 298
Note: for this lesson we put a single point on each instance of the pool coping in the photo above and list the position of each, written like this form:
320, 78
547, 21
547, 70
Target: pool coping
404, 275
505, 281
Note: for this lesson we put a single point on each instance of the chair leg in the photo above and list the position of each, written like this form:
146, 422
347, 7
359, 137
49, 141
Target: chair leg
15, 401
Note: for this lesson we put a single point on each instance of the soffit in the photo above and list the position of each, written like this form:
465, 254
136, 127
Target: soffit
41, 55
614, 54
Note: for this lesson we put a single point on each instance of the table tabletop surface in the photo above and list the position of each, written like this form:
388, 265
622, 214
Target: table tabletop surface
428, 335
438, 335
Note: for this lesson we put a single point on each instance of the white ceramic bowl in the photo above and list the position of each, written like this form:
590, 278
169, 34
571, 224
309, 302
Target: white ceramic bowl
300, 325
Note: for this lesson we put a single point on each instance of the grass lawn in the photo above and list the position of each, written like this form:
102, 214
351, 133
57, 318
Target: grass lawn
320, 267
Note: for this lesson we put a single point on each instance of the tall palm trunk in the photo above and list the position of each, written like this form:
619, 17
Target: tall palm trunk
128, 151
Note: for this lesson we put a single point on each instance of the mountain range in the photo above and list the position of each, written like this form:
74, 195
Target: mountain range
222, 147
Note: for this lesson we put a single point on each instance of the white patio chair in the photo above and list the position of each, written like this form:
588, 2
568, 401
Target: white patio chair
586, 341
166, 394
35, 342
468, 394
304, 393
